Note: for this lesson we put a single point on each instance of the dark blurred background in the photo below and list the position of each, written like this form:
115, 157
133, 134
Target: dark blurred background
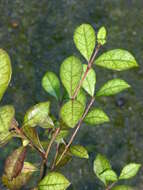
38, 35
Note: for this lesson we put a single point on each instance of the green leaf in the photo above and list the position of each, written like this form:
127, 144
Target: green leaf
101, 35
122, 187
81, 97
79, 151
65, 159
129, 171
54, 181
51, 84
39, 115
14, 163
32, 135
96, 116
112, 87
108, 175
101, 164
117, 60
6, 116
5, 72
22, 179
85, 39
90, 81
70, 73
71, 112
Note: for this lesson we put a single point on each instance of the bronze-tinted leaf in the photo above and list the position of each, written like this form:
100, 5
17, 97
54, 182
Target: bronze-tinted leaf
14, 163
32, 135
22, 179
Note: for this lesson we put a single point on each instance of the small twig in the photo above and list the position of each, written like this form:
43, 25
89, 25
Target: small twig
90, 63
51, 142
111, 186
77, 129
54, 162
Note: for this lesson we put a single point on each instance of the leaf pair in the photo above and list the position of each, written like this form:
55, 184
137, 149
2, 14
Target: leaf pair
104, 172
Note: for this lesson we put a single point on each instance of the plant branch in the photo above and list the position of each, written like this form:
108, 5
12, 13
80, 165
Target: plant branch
57, 151
77, 128
90, 63
51, 142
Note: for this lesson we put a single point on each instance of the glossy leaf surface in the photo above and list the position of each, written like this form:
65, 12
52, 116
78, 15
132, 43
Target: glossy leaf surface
39, 115
85, 39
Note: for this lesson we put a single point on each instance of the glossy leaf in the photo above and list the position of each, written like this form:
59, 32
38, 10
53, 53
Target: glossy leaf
129, 171
22, 179
108, 176
6, 116
79, 151
101, 35
32, 135
117, 60
96, 116
39, 115
101, 164
54, 181
5, 72
70, 73
51, 84
71, 112
122, 187
14, 163
85, 40
113, 87
90, 81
